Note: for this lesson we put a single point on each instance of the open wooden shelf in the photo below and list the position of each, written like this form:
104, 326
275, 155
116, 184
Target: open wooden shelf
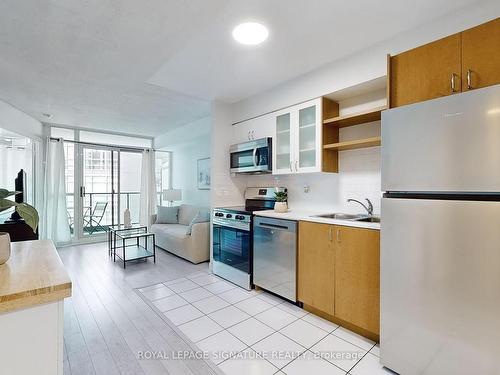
353, 145
355, 118
372, 96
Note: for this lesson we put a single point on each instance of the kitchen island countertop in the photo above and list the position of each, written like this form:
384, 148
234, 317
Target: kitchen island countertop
33, 275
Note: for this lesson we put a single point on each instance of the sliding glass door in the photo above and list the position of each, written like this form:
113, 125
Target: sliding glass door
98, 186
107, 181
129, 184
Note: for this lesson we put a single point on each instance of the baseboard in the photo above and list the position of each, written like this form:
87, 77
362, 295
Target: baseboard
360, 331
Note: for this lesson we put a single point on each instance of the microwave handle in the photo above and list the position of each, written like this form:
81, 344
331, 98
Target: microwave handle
254, 157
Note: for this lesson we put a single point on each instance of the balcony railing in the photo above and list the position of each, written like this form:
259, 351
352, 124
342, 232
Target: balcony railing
97, 210
102, 219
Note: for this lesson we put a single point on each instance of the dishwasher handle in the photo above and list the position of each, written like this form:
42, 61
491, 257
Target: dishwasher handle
276, 224
273, 226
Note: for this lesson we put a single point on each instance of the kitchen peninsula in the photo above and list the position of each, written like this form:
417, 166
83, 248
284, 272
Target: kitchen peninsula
33, 285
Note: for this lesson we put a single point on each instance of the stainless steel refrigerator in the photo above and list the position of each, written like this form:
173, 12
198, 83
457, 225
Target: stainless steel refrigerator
440, 235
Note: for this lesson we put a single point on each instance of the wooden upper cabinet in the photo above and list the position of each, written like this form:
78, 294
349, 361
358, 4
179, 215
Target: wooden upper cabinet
426, 72
316, 277
481, 56
357, 277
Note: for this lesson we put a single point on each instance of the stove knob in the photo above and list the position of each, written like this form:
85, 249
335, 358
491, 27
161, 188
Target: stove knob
229, 216
219, 214
239, 217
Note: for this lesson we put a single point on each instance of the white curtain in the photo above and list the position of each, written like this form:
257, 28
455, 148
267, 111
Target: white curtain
148, 198
54, 223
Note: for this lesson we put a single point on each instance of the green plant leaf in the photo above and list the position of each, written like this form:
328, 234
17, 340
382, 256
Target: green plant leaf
5, 204
29, 214
4, 193
281, 196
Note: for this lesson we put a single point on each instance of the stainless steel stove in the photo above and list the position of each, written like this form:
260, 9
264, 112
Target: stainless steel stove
233, 235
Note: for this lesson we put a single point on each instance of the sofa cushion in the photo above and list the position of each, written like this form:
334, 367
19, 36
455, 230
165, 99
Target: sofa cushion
167, 215
175, 230
187, 213
202, 216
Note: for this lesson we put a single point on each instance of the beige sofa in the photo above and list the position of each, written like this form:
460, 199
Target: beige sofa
194, 247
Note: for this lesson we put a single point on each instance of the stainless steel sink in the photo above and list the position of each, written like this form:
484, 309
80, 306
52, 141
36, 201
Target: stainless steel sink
339, 216
371, 219
351, 217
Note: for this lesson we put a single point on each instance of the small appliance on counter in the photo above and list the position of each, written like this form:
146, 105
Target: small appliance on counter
253, 157
233, 235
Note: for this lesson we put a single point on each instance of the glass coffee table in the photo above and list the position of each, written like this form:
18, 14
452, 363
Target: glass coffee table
127, 251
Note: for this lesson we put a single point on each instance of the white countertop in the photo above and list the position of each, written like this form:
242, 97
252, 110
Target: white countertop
300, 215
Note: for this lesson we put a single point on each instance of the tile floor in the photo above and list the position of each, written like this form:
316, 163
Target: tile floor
256, 332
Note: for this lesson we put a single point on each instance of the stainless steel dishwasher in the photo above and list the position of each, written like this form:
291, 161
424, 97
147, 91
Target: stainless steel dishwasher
275, 256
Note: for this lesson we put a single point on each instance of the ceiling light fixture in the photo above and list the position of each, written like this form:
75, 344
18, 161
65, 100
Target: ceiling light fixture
250, 33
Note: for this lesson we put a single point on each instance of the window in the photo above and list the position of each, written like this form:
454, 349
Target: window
89, 169
16, 152
163, 173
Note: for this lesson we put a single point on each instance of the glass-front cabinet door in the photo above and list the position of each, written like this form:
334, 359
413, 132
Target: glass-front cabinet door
283, 143
308, 137
297, 141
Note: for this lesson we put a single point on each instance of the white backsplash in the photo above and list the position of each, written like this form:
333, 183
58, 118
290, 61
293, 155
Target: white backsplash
359, 178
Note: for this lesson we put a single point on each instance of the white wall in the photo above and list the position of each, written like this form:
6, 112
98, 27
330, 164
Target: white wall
184, 170
366, 65
19, 122
358, 178
226, 190
359, 175
188, 144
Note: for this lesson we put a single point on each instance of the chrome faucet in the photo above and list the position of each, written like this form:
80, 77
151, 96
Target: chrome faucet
368, 208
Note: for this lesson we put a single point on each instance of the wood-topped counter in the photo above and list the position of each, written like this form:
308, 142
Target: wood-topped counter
33, 275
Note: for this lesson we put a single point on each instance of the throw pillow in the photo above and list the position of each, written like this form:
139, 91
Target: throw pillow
202, 217
167, 215
187, 213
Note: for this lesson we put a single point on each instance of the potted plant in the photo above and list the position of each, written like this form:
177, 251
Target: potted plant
27, 212
281, 201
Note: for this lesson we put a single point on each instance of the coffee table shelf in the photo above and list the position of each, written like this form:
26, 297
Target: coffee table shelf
127, 251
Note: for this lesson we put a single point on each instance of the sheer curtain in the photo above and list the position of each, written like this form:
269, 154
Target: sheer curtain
148, 188
54, 223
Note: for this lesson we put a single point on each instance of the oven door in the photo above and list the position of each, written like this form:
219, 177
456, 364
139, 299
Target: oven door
251, 157
232, 246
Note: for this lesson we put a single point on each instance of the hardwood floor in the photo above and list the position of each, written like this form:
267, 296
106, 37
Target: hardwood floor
107, 325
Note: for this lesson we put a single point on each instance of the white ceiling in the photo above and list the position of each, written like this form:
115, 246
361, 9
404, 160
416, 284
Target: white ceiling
146, 67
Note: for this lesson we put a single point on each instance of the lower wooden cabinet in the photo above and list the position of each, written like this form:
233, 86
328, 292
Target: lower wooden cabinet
316, 274
357, 277
339, 274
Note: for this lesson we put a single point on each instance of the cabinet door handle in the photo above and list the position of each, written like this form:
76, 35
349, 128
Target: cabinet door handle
253, 134
453, 82
291, 170
296, 166
330, 236
469, 79
338, 235
248, 136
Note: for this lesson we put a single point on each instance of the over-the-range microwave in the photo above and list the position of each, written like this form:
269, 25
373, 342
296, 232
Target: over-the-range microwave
252, 157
